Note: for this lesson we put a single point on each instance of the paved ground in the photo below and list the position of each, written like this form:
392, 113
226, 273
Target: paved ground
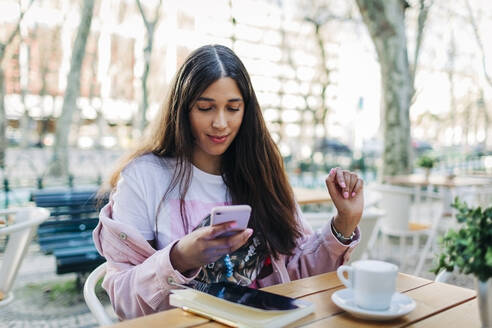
44, 299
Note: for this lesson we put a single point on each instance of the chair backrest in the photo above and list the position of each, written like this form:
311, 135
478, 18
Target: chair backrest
19, 234
405, 204
94, 304
367, 226
443, 276
368, 230
395, 201
484, 196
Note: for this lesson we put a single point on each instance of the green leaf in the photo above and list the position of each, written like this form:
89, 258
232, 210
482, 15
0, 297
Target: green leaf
469, 249
488, 257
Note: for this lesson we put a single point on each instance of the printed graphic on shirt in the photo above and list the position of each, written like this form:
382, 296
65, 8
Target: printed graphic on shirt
246, 263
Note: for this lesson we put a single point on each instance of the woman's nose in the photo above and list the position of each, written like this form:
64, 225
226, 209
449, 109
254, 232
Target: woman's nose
219, 121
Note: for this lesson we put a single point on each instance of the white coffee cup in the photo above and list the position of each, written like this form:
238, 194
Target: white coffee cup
372, 282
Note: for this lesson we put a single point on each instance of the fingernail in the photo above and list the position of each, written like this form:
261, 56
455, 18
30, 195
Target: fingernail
249, 231
232, 225
343, 185
345, 194
331, 172
353, 194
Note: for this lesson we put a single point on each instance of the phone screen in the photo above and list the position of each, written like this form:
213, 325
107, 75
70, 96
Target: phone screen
248, 296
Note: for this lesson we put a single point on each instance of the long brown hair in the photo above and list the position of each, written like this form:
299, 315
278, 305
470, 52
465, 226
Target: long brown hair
252, 167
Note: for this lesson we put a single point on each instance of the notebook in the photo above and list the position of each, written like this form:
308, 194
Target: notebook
264, 309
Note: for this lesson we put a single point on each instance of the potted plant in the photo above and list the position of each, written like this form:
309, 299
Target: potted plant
470, 251
427, 163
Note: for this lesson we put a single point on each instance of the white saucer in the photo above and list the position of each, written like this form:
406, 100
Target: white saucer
401, 304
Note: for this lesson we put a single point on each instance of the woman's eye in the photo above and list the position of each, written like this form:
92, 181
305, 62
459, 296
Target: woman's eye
204, 108
234, 108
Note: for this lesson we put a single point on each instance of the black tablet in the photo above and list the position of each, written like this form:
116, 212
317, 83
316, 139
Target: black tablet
248, 296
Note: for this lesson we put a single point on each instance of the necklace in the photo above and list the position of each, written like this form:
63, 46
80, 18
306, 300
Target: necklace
229, 266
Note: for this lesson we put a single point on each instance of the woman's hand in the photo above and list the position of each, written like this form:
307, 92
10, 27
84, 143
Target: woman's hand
346, 191
204, 246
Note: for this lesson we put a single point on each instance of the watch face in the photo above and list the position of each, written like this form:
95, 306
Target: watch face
248, 296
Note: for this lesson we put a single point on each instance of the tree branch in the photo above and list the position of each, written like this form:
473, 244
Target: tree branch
15, 31
142, 12
423, 14
149, 25
479, 41
158, 11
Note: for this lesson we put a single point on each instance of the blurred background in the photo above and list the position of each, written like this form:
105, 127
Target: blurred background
377, 87
81, 81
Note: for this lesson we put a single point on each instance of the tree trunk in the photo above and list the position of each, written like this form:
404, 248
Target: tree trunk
3, 114
59, 160
487, 77
3, 118
385, 20
325, 80
25, 120
150, 28
145, 76
466, 126
478, 39
450, 73
486, 117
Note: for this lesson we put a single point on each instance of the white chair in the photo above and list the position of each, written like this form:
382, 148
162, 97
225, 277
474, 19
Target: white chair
19, 234
443, 276
484, 196
367, 224
94, 304
409, 215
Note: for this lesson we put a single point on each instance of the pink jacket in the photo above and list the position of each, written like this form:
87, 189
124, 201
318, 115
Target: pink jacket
138, 277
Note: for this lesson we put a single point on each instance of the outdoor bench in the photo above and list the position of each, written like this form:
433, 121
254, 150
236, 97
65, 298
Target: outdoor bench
67, 234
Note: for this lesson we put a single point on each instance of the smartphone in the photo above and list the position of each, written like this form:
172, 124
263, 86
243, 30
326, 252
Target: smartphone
238, 213
248, 296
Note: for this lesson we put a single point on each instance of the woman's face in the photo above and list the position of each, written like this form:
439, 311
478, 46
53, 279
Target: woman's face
215, 120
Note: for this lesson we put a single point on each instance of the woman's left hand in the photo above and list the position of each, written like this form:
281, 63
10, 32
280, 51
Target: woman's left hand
346, 191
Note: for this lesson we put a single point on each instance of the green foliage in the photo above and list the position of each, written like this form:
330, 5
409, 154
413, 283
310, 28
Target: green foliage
470, 248
358, 164
63, 288
306, 166
54, 293
426, 161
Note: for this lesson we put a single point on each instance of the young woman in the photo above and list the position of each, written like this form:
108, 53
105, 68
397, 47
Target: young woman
211, 147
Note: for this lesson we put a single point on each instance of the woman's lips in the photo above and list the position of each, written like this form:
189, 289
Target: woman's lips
218, 139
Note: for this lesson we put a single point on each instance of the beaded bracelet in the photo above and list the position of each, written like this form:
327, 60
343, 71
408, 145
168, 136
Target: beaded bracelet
340, 236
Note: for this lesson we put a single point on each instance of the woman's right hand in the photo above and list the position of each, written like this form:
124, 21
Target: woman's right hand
204, 246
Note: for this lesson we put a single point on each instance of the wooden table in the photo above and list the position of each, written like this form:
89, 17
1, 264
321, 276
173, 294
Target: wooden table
449, 188
438, 305
437, 180
305, 196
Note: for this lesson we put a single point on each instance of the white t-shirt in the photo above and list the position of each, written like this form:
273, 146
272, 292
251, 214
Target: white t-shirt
142, 185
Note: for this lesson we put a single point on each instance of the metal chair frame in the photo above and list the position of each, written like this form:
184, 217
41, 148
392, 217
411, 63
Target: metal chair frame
19, 234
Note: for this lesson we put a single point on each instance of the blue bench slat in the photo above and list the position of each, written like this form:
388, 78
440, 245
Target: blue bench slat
81, 212
66, 203
87, 250
53, 227
54, 238
75, 243
61, 241
75, 264
68, 233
